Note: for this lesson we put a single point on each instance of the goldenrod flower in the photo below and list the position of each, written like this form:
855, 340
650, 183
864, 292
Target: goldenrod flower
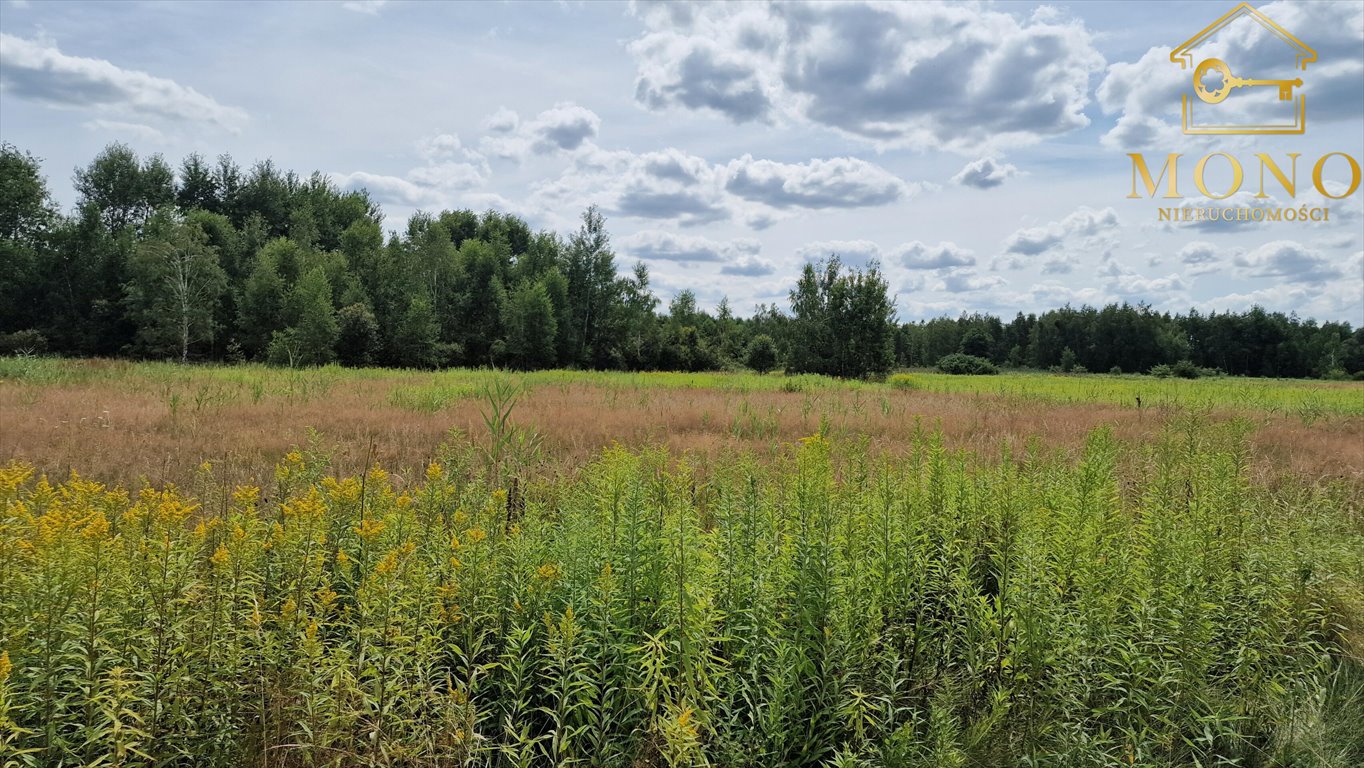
475, 535
369, 528
434, 472
97, 528
548, 572
5, 666
220, 557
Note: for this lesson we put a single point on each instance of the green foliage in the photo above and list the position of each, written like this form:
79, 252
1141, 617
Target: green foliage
843, 324
762, 353
1134, 604
312, 336
175, 284
416, 340
357, 336
970, 365
67, 277
531, 327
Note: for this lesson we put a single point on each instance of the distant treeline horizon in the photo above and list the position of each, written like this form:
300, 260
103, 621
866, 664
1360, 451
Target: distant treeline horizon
211, 262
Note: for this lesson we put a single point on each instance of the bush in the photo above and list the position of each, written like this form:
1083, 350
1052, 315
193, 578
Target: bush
358, 335
1162, 371
1185, 369
902, 381
762, 353
1115, 370
26, 342
968, 365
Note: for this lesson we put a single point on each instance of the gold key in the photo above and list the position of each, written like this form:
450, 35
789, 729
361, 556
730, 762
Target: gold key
1230, 81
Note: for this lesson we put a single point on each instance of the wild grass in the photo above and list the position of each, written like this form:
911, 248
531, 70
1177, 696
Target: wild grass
1143, 603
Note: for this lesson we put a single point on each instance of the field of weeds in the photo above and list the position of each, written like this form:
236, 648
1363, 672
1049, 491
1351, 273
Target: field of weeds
255, 567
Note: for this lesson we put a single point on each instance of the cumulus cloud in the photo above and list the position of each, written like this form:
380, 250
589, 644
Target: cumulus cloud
448, 167
967, 281
369, 7
656, 245
985, 173
840, 182
38, 71
915, 74
1145, 94
748, 266
1289, 261
564, 127
857, 253
917, 255
666, 185
1084, 222
137, 131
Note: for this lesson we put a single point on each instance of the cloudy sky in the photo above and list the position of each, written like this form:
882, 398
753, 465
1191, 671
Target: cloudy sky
976, 150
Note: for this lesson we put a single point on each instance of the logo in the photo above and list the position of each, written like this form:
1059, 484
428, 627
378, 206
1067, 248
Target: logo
1221, 95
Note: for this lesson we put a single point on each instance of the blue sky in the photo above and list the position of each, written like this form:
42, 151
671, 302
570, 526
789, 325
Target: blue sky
976, 150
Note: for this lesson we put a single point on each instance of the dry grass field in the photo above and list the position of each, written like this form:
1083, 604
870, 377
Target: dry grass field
241, 566
127, 422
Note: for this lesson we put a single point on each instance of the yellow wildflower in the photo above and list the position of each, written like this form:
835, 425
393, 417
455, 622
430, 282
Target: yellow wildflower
434, 472
206, 467
548, 572
97, 528
246, 495
5, 666
341, 557
369, 528
475, 535
220, 557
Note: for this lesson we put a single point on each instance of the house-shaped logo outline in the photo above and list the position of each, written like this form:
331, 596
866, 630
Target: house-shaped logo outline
1183, 56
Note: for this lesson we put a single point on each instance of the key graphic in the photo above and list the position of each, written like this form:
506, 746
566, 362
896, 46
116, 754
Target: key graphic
1230, 81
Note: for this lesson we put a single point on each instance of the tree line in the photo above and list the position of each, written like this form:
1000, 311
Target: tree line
213, 262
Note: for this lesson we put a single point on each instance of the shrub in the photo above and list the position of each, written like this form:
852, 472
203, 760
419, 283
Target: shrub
902, 381
1185, 369
358, 335
1162, 371
969, 365
26, 342
762, 353
1115, 370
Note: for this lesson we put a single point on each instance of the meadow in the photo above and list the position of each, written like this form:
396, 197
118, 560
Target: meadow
242, 566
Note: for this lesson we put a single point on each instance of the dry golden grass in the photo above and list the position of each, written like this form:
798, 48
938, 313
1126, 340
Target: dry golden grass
123, 429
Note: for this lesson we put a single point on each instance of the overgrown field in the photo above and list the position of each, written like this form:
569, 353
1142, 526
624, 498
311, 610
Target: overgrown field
1095, 585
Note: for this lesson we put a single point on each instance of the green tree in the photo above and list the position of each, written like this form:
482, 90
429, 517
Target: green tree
762, 353
530, 327
315, 330
261, 313
27, 218
175, 286
358, 337
844, 324
416, 339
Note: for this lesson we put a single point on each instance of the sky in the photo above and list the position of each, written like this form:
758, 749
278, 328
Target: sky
977, 151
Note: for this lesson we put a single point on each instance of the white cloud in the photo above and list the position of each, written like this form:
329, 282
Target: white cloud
1082, 223
917, 255
921, 74
38, 71
369, 7
564, 127
1289, 261
856, 253
137, 131
658, 245
985, 173
841, 182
